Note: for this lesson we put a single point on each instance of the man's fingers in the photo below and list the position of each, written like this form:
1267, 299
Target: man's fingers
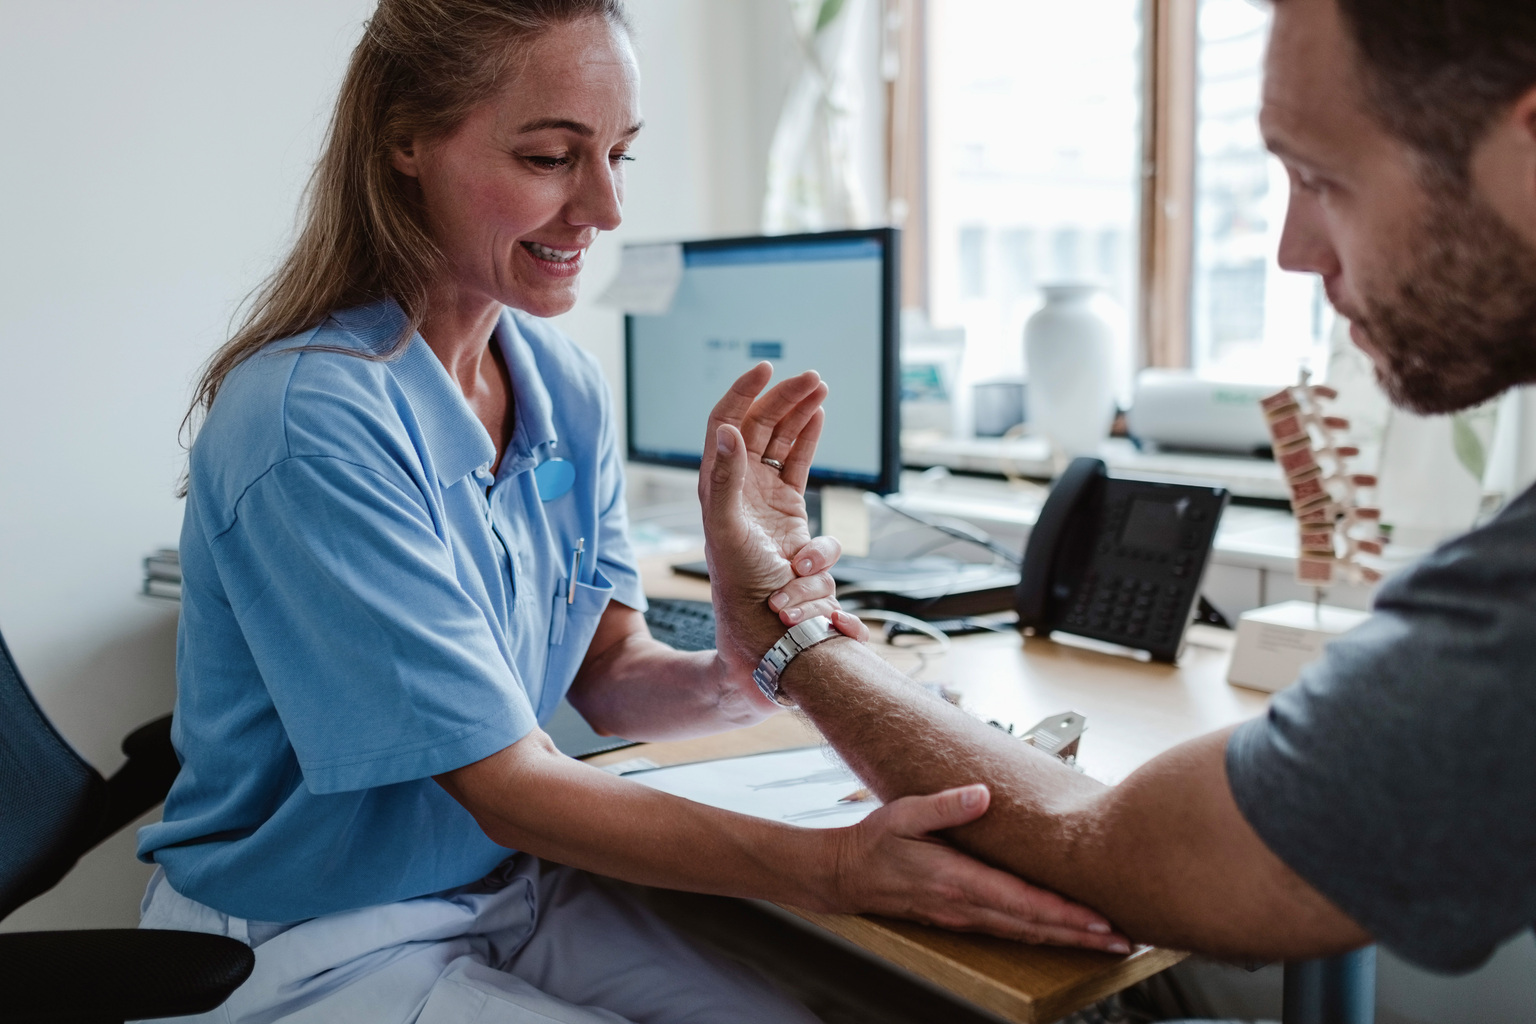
731, 408
737, 400
779, 401
726, 474
797, 465
789, 426
917, 816
818, 555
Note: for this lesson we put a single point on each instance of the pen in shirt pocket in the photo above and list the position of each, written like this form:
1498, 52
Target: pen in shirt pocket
570, 592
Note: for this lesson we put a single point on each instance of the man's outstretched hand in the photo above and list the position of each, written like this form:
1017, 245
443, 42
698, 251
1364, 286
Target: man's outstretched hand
756, 538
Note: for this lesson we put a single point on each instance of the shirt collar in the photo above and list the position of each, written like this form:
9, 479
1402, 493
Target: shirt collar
454, 437
533, 437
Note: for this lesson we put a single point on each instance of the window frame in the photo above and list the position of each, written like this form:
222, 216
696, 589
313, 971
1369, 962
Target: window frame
1170, 43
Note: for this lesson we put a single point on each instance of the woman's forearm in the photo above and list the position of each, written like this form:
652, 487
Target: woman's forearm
634, 686
530, 797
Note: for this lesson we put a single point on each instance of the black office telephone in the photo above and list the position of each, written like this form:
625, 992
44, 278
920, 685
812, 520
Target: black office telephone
1118, 560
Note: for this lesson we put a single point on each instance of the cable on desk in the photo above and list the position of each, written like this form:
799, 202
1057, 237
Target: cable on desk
959, 529
940, 644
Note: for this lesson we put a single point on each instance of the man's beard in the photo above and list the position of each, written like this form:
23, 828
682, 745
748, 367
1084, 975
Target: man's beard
1461, 327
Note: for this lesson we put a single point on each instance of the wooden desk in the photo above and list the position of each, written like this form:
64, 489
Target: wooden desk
1135, 711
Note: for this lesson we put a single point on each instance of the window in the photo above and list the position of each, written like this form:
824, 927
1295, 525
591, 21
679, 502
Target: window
1034, 112
1250, 320
1113, 142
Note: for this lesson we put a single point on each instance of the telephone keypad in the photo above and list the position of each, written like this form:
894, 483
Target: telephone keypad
1132, 607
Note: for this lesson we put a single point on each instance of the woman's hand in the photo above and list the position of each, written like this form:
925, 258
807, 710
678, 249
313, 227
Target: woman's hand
892, 864
813, 591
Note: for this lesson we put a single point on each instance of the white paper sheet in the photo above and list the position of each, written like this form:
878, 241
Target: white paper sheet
801, 787
647, 279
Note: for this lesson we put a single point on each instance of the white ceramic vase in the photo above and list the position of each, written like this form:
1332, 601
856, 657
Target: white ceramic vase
1069, 357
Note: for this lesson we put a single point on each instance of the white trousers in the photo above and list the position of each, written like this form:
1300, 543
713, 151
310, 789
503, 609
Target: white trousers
529, 943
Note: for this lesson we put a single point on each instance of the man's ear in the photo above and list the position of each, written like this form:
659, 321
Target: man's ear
1524, 117
405, 158
1504, 165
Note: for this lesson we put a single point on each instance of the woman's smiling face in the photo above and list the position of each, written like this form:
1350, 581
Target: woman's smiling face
516, 195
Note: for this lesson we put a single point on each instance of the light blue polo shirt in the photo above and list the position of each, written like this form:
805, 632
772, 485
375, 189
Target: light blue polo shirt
363, 607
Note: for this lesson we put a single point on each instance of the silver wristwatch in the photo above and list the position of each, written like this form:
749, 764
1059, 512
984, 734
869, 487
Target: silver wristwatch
802, 636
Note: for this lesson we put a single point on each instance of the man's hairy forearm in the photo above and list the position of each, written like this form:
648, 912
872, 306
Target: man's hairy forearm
902, 740
1166, 854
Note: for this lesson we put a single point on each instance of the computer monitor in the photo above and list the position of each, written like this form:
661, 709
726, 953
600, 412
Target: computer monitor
826, 302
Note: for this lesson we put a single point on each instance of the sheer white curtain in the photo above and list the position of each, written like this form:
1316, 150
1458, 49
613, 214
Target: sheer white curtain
818, 163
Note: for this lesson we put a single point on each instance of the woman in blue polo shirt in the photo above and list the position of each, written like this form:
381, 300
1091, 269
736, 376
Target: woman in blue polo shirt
404, 541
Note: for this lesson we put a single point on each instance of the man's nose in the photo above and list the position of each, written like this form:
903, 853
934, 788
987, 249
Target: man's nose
1305, 244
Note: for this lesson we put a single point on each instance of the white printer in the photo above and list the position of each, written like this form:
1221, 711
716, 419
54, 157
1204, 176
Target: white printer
1176, 409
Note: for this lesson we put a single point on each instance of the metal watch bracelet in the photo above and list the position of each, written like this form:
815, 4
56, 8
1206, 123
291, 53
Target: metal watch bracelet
802, 636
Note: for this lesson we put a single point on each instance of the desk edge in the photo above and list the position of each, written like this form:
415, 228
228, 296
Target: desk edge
982, 989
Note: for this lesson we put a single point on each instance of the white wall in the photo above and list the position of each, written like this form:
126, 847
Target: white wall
154, 156
154, 152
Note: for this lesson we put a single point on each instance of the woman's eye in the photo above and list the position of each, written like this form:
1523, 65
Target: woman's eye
548, 163
621, 158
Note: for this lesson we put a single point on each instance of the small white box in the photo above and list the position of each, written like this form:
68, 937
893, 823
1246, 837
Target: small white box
1275, 642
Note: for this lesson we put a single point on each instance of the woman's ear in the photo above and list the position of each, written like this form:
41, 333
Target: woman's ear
404, 158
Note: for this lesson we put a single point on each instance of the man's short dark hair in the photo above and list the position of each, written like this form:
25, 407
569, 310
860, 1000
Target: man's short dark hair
1440, 71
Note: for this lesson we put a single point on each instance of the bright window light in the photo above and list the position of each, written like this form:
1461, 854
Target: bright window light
1035, 146
1250, 320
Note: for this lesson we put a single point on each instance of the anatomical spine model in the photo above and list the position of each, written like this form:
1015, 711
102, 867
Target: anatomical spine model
1335, 530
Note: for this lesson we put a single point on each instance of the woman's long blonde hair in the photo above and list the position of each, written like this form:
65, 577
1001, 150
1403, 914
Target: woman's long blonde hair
421, 67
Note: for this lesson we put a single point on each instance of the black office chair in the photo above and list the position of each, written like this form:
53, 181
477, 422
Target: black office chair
53, 808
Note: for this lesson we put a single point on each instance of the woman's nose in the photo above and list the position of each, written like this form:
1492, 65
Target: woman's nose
598, 200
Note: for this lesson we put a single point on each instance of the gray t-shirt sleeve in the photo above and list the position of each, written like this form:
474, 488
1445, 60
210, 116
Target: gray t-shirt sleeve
1398, 777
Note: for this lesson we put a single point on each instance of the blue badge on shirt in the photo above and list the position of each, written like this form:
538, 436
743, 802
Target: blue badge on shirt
554, 478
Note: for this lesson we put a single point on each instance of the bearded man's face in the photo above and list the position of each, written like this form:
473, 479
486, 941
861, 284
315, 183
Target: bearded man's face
1439, 287
1459, 325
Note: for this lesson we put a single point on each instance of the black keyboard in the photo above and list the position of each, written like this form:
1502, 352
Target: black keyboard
685, 625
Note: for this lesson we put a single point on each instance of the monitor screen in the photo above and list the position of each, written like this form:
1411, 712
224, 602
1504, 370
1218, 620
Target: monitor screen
824, 302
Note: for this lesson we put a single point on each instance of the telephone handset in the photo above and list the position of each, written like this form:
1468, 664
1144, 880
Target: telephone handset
1118, 560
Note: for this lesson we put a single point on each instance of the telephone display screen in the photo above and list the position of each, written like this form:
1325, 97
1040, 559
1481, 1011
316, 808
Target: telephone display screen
1153, 524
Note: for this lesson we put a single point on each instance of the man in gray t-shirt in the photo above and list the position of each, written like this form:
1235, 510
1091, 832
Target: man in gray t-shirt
1390, 794
1399, 776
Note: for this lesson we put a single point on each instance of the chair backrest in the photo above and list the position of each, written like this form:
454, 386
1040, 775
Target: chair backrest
51, 800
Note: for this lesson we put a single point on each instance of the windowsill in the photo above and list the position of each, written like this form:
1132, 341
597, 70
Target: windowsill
1253, 560
1244, 477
